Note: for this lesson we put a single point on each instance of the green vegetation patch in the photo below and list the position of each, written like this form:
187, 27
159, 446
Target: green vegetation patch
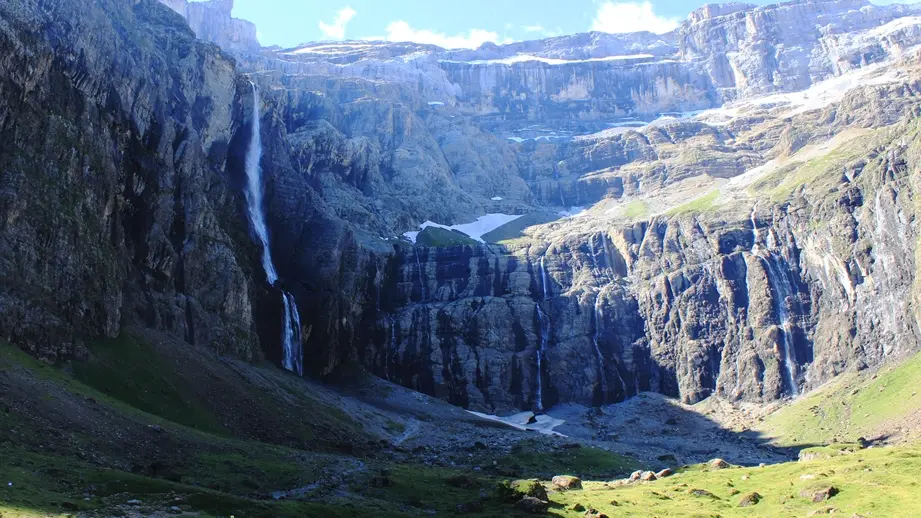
872, 482
704, 203
441, 237
636, 209
850, 407
515, 229
129, 369
581, 462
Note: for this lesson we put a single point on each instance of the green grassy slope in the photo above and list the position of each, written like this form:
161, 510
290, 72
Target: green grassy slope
867, 405
159, 422
872, 482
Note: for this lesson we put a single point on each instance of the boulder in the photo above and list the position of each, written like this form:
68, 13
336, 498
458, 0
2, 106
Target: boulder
718, 464
566, 483
648, 476
819, 495
635, 476
594, 513
749, 500
665, 473
577, 507
532, 505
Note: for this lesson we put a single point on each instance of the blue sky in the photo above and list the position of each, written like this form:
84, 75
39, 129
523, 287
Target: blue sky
466, 23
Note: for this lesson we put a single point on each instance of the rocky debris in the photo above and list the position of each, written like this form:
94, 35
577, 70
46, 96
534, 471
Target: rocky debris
702, 493
819, 495
665, 473
462, 481
824, 510
566, 483
532, 505
749, 500
134, 502
718, 464
472, 507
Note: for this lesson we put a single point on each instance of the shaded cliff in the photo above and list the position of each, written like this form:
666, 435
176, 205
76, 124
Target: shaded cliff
118, 202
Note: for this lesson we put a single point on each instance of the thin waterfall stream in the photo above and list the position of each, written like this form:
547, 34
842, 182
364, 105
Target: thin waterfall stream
293, 356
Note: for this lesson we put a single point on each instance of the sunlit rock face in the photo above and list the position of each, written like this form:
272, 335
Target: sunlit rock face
725, 209
212, 21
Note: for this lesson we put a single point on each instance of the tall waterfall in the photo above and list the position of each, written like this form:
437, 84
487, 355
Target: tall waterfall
544, 336
595, 339
543, 278
544, 320
420, 273
782, 289
293, 358
254, 194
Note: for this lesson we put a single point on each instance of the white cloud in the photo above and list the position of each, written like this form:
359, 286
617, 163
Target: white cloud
336, 30
631, 17
402, 31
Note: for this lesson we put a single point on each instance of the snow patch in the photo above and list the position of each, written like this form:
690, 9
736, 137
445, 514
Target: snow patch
436, 103
527, 58
573, 212
496, 198
545, 424
475, 230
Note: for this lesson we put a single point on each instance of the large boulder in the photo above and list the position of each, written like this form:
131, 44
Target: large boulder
566, 483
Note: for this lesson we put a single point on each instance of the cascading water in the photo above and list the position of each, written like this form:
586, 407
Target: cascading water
543, 278
293, 357
782, 289
419, 271
253, 192
544, 335
595, 339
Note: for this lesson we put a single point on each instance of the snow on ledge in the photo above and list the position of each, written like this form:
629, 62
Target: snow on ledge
526, 58
483, 225
545, 424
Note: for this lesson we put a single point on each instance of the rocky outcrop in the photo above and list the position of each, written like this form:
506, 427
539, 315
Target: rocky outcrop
212, 21
118, 204
742, 256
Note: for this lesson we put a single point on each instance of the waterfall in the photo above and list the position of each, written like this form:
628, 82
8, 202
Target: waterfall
595, 339
291, 330
419, 271
779, 283
293, 357
544, 336
543, 277
755, 231
254, 194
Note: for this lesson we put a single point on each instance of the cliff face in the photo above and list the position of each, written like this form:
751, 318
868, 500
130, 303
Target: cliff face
212, 21
753, 250
117, 206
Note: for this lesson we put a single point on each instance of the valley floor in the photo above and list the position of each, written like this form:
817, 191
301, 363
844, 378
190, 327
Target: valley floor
151, 427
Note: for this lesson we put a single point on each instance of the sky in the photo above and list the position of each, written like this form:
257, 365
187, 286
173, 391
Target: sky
457, 23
